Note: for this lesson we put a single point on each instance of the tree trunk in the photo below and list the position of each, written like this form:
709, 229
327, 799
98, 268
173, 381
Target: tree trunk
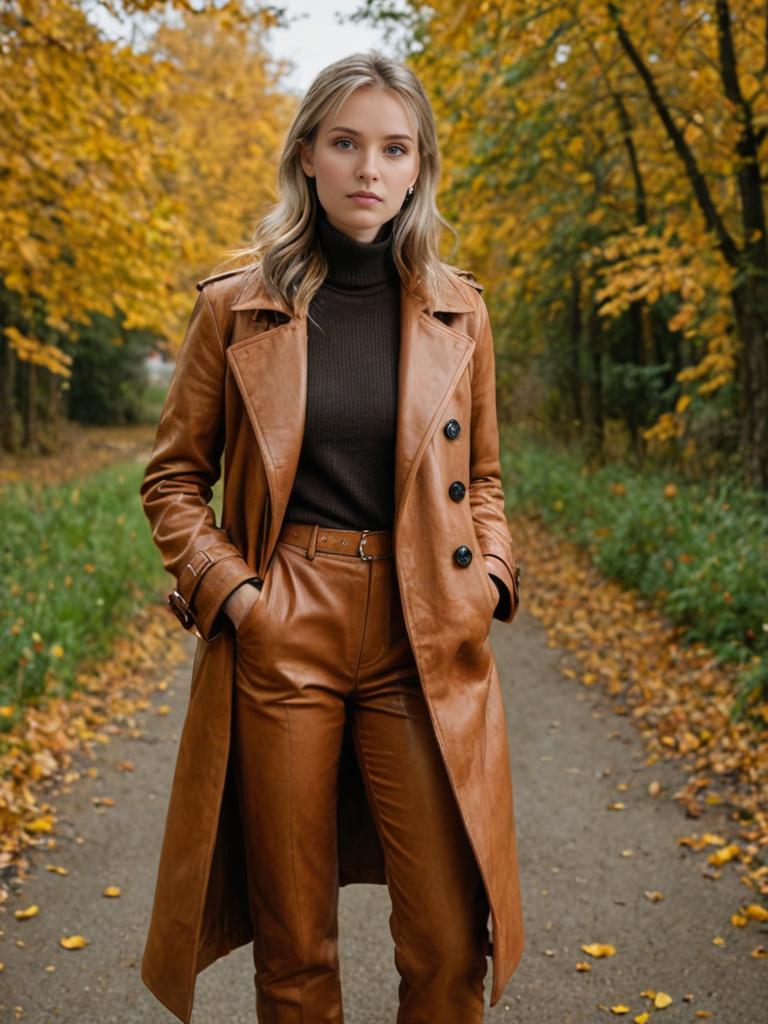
750, 304
595, 419
574, 350
9, 434
30, 411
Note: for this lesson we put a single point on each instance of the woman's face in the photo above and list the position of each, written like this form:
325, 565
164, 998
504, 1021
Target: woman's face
370, 145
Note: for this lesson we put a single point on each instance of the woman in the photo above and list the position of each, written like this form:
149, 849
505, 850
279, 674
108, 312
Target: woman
345, 721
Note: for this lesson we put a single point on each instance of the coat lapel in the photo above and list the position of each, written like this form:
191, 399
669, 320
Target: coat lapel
270, 369
432, 358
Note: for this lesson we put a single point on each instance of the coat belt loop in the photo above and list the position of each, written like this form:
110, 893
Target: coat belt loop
312, 546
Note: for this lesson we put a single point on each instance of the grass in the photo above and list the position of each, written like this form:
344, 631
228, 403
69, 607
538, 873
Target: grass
698, 550
77, 559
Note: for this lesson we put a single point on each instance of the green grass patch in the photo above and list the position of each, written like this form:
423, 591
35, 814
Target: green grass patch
76, 560
698, 550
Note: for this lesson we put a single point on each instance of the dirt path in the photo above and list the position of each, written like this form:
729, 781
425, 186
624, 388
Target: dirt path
569, 753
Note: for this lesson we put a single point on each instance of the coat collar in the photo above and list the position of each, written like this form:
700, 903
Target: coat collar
270, 369
454, 296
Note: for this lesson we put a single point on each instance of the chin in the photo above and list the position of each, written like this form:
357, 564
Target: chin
363, 218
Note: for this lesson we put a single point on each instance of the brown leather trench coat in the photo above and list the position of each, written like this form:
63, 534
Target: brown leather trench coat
239, 388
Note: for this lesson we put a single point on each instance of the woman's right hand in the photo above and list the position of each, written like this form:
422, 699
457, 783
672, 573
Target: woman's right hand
240, 601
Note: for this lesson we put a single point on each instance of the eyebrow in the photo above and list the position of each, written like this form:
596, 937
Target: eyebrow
353, 131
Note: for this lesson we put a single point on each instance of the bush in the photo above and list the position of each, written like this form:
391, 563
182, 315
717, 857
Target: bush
699, 550
109, 377
76, 560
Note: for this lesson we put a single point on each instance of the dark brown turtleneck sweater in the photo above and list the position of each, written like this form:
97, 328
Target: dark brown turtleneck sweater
346, 472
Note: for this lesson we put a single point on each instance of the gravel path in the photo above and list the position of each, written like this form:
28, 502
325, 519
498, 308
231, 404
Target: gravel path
569, 753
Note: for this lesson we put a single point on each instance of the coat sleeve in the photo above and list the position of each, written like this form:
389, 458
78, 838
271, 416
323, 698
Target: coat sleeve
177, 487
486, 496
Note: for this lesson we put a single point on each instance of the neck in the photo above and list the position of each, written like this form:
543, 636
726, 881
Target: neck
354, 264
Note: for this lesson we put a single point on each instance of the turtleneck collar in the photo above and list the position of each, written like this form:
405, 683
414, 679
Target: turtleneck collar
353, 264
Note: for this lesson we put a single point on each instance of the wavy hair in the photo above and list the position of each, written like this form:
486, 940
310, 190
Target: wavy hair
283, 243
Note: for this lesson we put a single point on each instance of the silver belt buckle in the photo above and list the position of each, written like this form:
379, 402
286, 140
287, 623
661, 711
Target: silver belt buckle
365, 558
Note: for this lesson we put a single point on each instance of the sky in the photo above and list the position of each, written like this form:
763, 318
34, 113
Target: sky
318, 39
313, 39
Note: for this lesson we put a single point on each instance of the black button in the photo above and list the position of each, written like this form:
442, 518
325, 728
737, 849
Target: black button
452, 429
457, 490
463, 555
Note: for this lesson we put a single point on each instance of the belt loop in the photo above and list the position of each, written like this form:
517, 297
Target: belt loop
312, 547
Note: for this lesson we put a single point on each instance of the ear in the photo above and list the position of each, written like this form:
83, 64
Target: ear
305, 156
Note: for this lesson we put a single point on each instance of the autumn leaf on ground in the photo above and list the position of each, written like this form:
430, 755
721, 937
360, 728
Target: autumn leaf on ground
31, 911
73, 941
676, 694
599, 949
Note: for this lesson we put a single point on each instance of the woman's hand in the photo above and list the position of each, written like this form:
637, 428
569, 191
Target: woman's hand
239, 602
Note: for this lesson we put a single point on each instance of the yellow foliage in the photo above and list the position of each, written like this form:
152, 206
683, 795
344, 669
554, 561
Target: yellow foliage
126, 174
538, 179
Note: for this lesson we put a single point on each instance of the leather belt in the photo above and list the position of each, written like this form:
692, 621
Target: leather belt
365, 544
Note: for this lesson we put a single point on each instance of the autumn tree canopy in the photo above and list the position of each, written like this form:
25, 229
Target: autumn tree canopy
606, 167
126, 170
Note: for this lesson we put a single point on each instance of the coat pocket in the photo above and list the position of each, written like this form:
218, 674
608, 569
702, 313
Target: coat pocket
252, 614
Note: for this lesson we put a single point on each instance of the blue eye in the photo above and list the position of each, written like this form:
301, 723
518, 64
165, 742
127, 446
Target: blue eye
391, 146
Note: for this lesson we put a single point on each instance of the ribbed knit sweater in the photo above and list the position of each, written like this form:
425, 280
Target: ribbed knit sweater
346, 471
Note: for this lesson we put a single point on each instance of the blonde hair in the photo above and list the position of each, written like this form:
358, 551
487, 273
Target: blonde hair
291, 265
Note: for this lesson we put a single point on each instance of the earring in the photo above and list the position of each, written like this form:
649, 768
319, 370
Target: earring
409, 193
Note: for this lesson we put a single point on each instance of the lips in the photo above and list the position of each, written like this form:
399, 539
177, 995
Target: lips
365, 195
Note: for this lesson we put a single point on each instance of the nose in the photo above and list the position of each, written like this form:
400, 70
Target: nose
368, 168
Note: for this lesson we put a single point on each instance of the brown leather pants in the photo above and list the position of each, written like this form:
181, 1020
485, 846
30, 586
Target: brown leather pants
327, 639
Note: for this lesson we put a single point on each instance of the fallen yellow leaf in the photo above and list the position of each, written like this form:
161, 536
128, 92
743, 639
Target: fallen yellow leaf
756, 912
641, 1018
661, 999
619, 1008
599, 949
73, 941
616, 805
112, 890
759, 953
718, 941
31, 911
56, 869
44, 824
739, 920
582, 965
724, 854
